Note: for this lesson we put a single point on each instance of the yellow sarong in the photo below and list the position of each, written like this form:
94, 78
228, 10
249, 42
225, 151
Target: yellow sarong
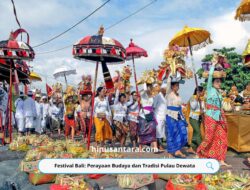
103, 130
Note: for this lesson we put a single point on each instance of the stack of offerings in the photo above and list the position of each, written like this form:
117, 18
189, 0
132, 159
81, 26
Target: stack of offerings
19, 144
220, 67
70, 182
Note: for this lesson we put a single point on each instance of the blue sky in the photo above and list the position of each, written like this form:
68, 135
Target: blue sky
151, 29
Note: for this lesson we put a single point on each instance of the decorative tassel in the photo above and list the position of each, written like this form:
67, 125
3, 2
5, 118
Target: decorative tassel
16, 77
98, 51
113, 51
107, 77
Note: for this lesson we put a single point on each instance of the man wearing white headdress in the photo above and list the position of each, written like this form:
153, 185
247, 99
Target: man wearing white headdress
30, 114
160, 114
38, 127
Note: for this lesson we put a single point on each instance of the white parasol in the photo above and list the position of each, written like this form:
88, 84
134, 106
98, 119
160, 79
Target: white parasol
64, 72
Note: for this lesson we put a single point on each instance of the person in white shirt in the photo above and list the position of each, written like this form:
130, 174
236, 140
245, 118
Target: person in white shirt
54, 112
147, 122
30, 114
38, 121
120, 117
3, 107
45, 113
102, 116
159, 106
19, 115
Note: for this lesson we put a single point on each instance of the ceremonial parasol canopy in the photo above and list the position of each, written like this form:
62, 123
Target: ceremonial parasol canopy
16, 50
133, 51
34, 77
195, 38
64, 72
243, 11
98, 48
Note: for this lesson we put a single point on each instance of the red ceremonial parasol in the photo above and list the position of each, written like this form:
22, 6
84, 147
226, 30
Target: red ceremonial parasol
13, 55
98, 48
133, 51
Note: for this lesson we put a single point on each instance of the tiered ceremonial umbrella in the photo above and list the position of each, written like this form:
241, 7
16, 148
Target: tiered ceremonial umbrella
64, 72
243, 11
13, 55
132, 52
99, 49
194, 38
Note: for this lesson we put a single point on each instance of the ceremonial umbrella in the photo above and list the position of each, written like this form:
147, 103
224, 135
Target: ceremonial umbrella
98, 48
133, 51
243, 11
64, 72
194, 38
13, 55
34, 76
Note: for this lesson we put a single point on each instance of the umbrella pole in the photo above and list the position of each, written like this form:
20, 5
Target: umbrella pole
66, 82
195, 76
136, 86
92, 105
10, 105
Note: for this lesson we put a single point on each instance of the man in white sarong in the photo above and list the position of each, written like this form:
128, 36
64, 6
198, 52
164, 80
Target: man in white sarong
19, 115
160, 114
45, 113
38, 126
29, 113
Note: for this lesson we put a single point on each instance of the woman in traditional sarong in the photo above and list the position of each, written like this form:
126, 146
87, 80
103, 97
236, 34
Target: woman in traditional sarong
215, 142
133, 113
120, 118
176, 124
102, 114
195, 116
83, 113
69, 116
147, 121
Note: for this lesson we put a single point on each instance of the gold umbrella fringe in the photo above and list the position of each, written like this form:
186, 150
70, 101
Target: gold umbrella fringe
242, 18
202, 45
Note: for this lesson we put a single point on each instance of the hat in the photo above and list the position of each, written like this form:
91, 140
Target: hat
44, 97
21, 94
30, 93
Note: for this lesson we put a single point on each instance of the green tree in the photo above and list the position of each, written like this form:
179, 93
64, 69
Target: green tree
237, 74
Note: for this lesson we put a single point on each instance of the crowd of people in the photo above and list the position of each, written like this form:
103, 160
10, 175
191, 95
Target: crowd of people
148, 118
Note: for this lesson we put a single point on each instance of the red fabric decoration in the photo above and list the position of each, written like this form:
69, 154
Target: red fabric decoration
9, 53
49, 90
12, 44
95, 176
169, 185
80, 51
98, 51
113, 51
24, 53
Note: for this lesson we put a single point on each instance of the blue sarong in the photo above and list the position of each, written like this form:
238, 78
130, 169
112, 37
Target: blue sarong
176, 131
